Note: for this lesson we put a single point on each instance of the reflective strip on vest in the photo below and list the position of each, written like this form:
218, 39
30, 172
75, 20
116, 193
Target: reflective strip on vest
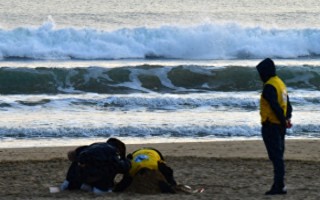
266, 113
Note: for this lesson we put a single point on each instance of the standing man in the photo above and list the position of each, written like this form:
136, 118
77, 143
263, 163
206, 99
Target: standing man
275, 112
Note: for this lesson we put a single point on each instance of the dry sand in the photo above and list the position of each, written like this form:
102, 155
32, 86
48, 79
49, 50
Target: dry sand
226, 169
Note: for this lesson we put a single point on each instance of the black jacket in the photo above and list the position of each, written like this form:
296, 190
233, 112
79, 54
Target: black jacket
97, 165
103, 153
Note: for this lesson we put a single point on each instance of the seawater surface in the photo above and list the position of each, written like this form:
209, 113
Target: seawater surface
155, 71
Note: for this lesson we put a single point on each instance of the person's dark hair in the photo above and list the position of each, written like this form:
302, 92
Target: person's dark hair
119, 145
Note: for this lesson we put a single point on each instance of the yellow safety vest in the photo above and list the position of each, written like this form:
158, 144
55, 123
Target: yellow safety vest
266, 113
144, 158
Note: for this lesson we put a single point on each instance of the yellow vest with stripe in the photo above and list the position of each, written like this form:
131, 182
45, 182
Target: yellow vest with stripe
144, 158
266, 113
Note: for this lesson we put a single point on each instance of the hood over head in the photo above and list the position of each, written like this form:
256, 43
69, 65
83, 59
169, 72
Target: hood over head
266, 69
119, 145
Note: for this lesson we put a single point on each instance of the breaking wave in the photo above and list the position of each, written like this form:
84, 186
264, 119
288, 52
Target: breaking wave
311, 131
205, 41
147, 78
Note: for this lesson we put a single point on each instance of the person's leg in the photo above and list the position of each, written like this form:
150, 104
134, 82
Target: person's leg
103, 185
72, 181
102, 178
273, 138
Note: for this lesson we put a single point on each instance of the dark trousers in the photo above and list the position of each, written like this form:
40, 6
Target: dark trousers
273, 136
100, 177
73, 177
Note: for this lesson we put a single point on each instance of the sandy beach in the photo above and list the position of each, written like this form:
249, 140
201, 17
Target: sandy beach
226, 169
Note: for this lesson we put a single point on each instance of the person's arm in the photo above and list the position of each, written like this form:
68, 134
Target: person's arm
123, 184
127, 179
73, 154
289, 109
122, 165
270, 94
167, 172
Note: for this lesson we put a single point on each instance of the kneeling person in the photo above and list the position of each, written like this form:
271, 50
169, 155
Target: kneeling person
94, 167
148, 173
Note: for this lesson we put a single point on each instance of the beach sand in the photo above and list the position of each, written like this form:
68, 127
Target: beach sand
226, 169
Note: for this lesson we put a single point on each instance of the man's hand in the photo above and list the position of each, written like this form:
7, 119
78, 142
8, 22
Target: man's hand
288, 123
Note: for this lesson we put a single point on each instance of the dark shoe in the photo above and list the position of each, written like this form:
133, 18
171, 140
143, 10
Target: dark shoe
277, 190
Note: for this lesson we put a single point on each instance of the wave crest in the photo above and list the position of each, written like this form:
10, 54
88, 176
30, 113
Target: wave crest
147, 79
205, 41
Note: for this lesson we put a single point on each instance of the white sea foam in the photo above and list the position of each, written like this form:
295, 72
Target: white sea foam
146, 115
205, 41
246, 101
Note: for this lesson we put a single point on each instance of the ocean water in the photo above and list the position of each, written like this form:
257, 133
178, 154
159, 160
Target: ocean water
152, 71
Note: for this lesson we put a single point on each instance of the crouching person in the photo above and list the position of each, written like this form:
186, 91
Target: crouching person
94, 167
149, 174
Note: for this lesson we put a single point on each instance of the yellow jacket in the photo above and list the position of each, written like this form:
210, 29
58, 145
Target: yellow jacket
145, 158
266, 113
